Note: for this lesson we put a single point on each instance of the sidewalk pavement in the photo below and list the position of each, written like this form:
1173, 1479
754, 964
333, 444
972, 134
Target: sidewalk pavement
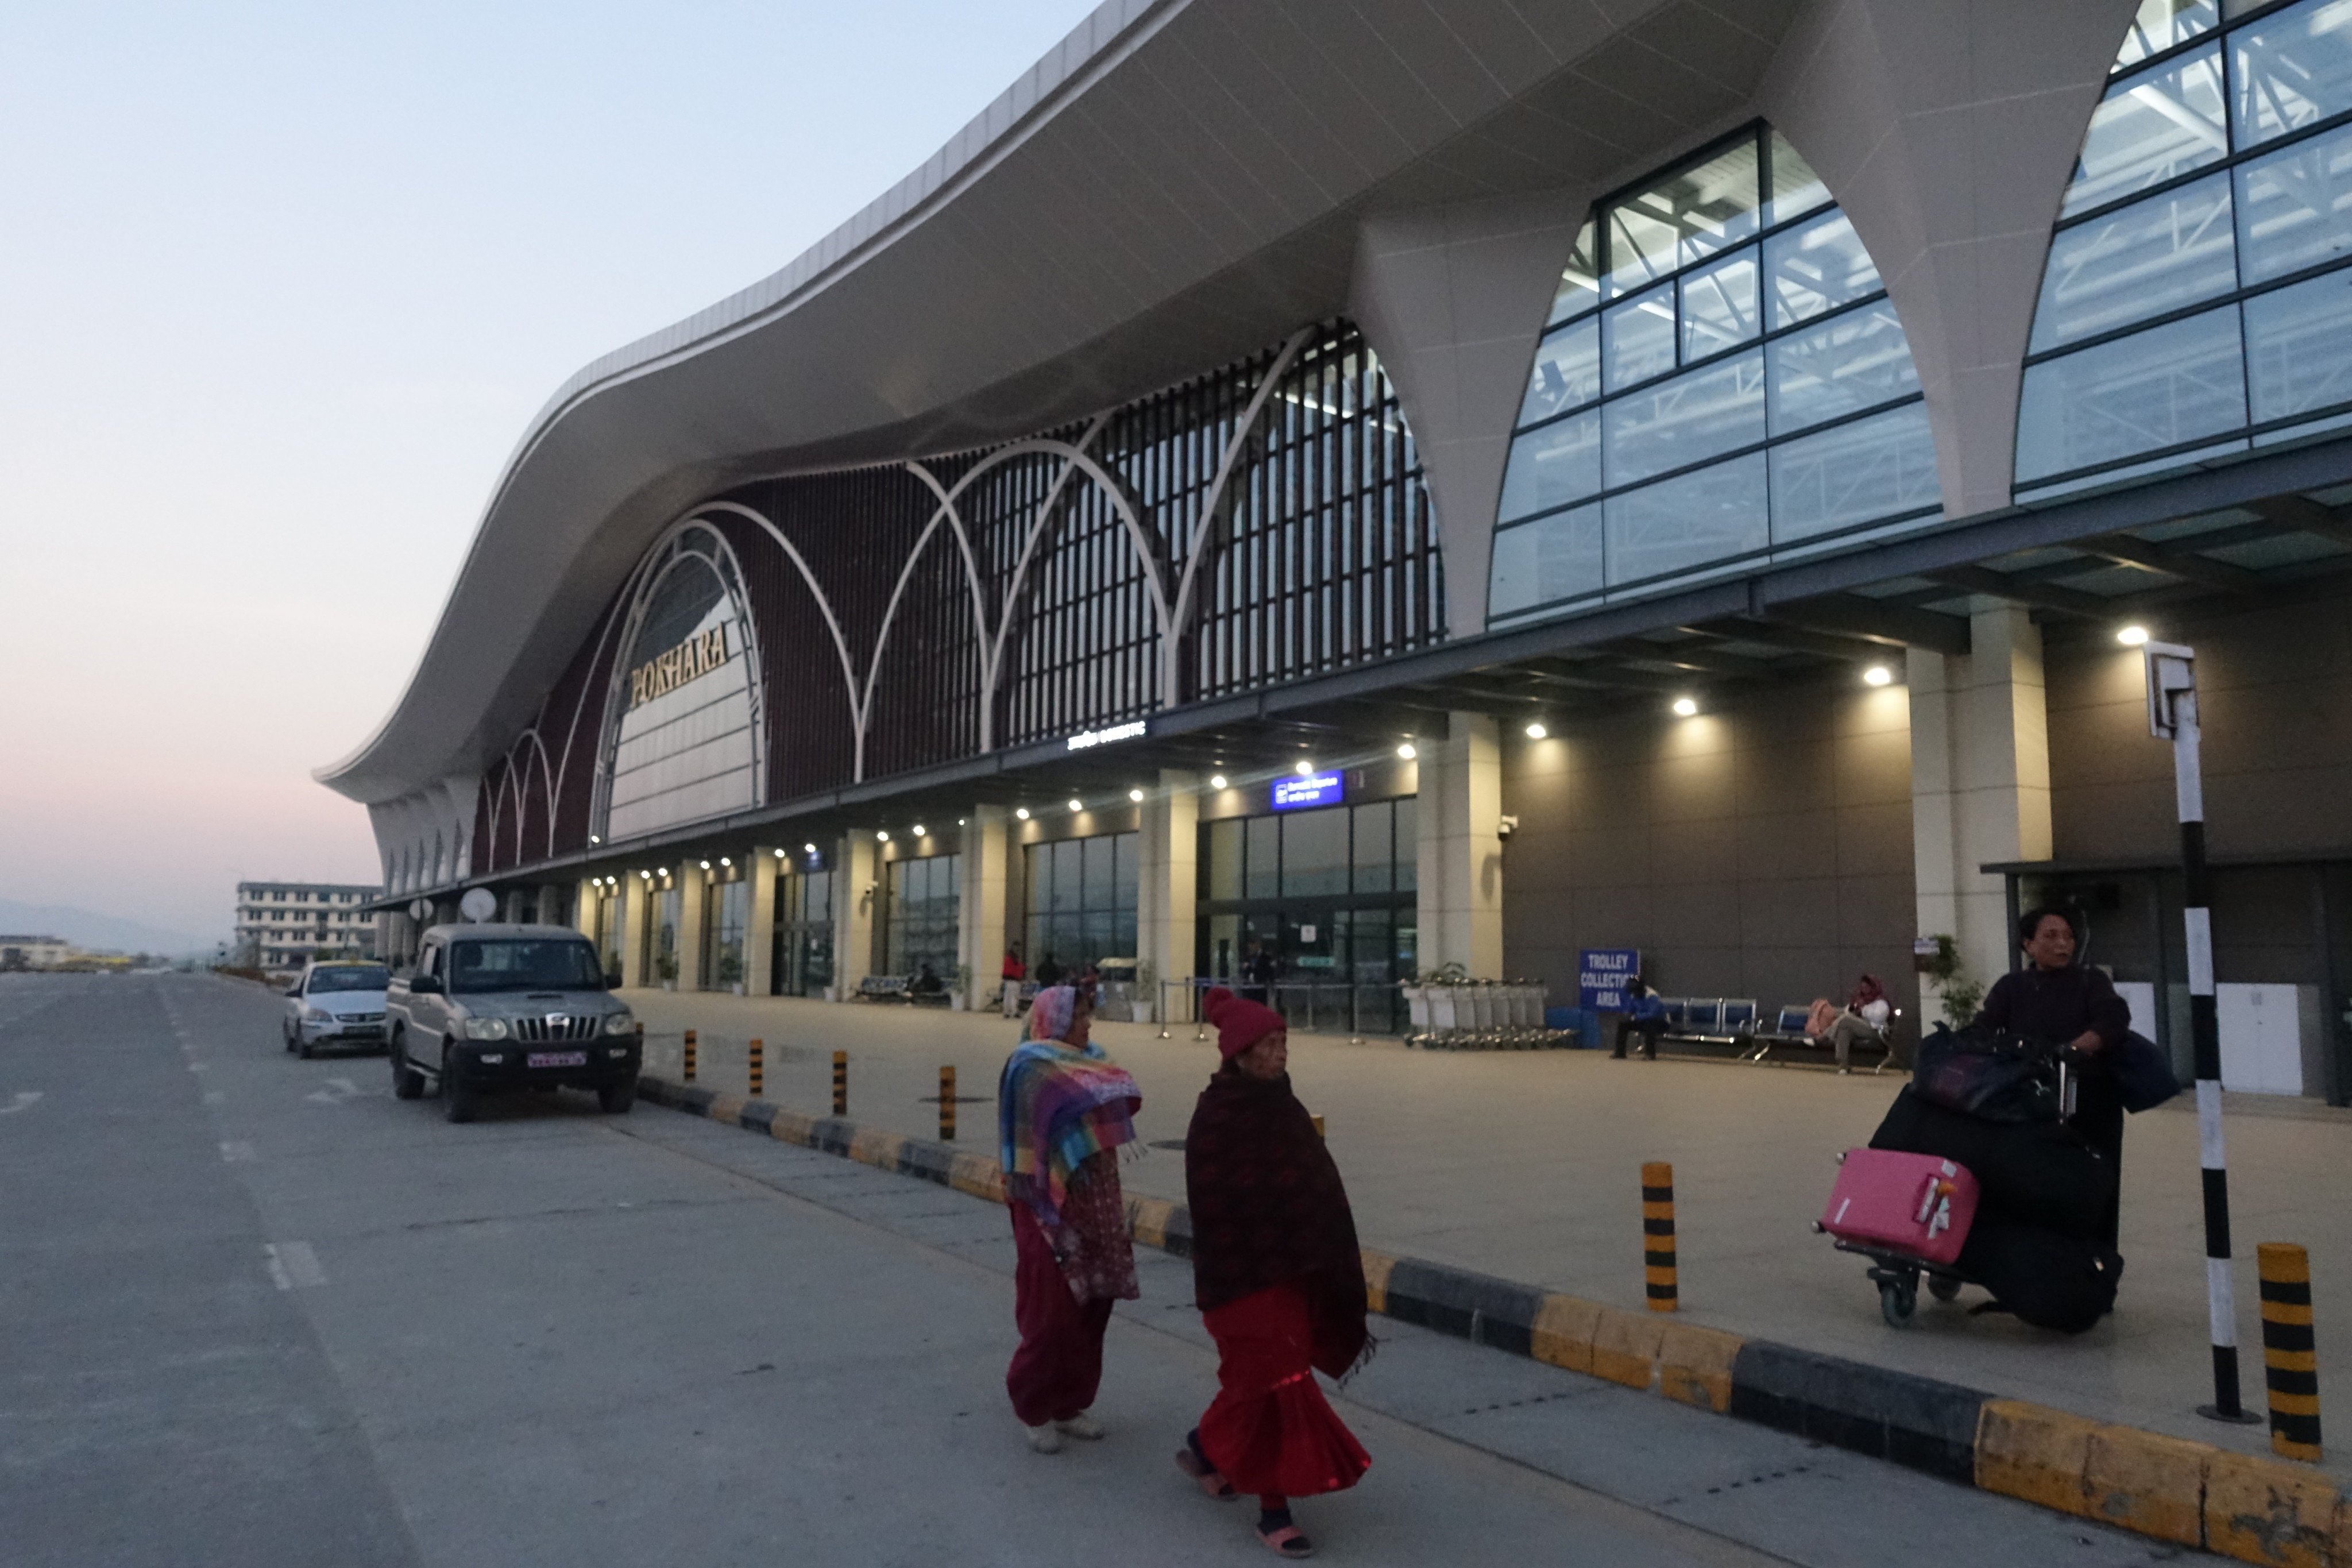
1526, 1165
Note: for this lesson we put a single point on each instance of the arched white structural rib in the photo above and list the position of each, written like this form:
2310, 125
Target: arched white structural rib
1197, 548
993, 656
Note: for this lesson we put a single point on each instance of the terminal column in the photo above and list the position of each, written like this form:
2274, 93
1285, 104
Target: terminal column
693, 891
549, 910
586, 896
636, 909
1168, 884
980, 915
1979, 783
1460, 904
760, 936
856, 897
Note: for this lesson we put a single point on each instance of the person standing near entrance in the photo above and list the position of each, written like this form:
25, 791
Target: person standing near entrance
1278, 1278
1064, 1111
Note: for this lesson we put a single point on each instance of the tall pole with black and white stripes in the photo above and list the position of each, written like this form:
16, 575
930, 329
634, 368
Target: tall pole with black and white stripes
2172, 715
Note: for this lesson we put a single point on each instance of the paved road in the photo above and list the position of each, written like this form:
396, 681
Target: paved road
258, 1312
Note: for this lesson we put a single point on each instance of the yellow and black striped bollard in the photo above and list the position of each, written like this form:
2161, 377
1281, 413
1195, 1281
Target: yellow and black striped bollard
947, 1105
841, 1083
689, 1056
1659, 1286
758, 1074
2290, 1357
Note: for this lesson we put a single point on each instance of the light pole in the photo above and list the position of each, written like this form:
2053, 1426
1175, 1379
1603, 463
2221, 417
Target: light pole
2171, 672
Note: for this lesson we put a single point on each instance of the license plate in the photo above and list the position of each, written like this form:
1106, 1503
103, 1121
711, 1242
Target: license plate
557, 1059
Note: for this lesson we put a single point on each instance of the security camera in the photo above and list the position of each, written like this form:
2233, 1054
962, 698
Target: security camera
1506, 827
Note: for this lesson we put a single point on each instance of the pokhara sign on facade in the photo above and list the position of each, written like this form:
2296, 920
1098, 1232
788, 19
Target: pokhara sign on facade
664, 673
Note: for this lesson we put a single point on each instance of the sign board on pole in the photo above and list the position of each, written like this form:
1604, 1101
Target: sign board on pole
1601, 973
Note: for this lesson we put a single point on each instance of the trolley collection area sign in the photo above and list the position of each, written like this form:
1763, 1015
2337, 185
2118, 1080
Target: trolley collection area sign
1602, 975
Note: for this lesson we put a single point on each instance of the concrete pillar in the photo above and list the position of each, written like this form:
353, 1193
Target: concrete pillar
1460, 902
1166, 884
762, 869
980, 905
636, 895
1979, 783
521, 907
549, 909
856, 898
587, 898
694, 889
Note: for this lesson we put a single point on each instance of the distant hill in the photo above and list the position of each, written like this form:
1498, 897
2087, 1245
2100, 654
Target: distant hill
87, 928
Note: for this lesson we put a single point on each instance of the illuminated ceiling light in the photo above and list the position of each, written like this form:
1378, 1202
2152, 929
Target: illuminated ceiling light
1021, 812
1407, 751
648, 876
1685, 706
780, 854
2132, 636
706, 865
724, 861
921, 832
882, 837
594, 838
1078, 806
1303, 768
1216, 781
811, 848
1136, 796
662, 871
1535, 731
1878, 675
960, 821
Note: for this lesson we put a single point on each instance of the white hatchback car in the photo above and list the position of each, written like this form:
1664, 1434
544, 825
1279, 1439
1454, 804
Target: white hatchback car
337, 1003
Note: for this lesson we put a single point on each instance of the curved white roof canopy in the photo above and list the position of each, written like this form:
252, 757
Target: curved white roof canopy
1177, 184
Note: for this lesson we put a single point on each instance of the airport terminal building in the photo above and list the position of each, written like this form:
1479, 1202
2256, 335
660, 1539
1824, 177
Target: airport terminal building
1462, 483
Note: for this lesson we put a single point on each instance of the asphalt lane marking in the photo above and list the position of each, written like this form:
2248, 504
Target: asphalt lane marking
238, 1152
292, 1265
25, 1096
338, 1090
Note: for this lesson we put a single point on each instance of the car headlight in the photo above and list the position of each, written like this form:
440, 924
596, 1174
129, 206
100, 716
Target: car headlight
317, 1016
486, 1028
619, 1024
490, 1058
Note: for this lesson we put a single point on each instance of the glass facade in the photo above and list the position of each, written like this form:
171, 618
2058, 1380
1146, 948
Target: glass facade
802, 956
1723, 375
2193, 304
1081, 900
726, 914
923, 916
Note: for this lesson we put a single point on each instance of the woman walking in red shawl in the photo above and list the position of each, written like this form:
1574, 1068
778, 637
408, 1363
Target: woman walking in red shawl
1278, 1278
1063, 1111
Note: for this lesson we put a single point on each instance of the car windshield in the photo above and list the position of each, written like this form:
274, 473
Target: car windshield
349, 977
525, 964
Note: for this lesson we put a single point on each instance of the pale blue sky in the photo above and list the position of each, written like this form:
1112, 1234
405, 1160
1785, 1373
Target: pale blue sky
281, 286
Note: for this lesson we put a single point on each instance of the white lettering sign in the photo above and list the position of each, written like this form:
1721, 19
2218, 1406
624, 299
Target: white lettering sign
1086, 738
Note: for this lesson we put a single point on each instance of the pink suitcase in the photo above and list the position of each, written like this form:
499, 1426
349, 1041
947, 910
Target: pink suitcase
1920, 1205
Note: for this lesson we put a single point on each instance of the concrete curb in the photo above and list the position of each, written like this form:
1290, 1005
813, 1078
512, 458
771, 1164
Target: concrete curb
2242, 1505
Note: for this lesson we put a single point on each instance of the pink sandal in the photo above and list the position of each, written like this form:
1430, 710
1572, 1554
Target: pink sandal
1287, 1541
1204, 1475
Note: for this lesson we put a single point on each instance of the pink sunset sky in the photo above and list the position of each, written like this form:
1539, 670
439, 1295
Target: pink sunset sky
283, 286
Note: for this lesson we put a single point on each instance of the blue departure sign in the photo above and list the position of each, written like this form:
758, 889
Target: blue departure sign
1309, 789
1601, 976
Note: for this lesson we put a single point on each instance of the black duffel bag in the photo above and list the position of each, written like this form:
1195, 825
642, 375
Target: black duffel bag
2052, 1281
1988, 1074
2043, 1173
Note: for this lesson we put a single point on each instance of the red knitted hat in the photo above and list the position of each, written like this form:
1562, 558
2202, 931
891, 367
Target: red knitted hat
1240, 1024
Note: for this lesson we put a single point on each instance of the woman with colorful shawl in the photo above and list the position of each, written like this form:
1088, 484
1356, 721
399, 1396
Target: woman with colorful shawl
1278, 1278
1064, 1110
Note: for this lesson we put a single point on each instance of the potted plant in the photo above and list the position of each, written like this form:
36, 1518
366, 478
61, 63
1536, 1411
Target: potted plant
960, 989
1950, 979
666, 966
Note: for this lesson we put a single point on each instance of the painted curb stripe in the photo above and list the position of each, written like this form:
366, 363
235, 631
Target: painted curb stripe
2238, 1505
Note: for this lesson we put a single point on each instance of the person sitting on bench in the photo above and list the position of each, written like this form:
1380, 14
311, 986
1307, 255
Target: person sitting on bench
1862, 1021
1645, 1015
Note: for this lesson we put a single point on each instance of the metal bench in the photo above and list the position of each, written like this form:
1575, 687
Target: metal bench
883, 988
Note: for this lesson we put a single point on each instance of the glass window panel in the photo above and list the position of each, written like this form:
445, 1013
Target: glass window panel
1097, 891
2161, 24
1684, 523
1815, 268
1375, 851
2292, 70
1686, 420
1408, 841
1265, 879
2180, 382
2157, 124
1541, 562
2294, 207
1553, 466
2299, 347
1068, 878
1853, 473
1567, 373
1123, 869
1796, 189
1845, 364
2152, 257
1637, 339
1684, 217
1225, 859
1718, 306
1315, 853
1579, 281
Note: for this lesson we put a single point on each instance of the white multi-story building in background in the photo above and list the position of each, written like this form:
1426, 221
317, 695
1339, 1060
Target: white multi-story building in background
282, 924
